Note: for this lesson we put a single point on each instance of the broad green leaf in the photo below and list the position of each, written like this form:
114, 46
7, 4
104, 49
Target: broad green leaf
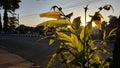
63, 39
85, 32
51, 23
64, 36
98, 23
51, 41
69, 44
89, 27
76, 23
54, 14
82, 34
72, 30
63, 29
76, 43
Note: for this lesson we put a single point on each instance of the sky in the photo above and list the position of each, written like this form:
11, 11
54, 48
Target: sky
30, 9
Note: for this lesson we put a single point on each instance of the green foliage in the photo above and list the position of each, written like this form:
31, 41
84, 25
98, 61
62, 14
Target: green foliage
50, 23
76, 23
76, 48
54, 14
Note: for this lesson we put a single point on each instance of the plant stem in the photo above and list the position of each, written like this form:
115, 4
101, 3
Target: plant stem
84, 47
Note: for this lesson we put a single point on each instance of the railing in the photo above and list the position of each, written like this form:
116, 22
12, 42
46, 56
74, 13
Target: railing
21, 35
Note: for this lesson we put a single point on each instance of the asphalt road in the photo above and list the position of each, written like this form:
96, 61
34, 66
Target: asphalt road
32, 50
28, 48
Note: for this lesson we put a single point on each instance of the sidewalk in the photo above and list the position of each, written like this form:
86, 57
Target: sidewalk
9, 60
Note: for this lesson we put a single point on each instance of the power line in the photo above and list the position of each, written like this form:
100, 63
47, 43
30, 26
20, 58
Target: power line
79, 4
74, 5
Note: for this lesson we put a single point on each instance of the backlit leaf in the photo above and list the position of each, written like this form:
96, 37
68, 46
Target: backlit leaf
54, 14
76, 23
76, 43
69, 44
60, 22
72, 30
64, 29
85, 32
100, 15
98, 23
64, 36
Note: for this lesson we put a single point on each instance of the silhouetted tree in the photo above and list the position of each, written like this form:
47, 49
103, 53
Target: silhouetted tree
113, 23
116, 52
0, 24
13, 22
8, 6
39, 29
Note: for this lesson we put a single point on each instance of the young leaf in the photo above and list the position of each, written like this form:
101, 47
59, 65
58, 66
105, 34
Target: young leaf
108, 7
76, 23
54, 14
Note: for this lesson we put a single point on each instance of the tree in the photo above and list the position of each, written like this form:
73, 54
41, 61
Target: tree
13, 22
116, 52
8, 6
0, 24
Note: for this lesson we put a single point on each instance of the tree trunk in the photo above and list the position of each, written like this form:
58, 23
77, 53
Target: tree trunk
5, 18
116, 52
0, 24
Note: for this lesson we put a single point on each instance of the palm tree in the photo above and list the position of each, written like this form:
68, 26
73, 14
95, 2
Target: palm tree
8, 6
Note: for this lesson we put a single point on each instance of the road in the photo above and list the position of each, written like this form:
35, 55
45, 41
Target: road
29, 48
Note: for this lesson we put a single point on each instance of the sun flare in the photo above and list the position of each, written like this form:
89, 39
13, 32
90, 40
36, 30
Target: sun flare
88, 19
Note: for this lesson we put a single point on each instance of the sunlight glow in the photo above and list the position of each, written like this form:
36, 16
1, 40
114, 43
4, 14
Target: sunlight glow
88, 19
